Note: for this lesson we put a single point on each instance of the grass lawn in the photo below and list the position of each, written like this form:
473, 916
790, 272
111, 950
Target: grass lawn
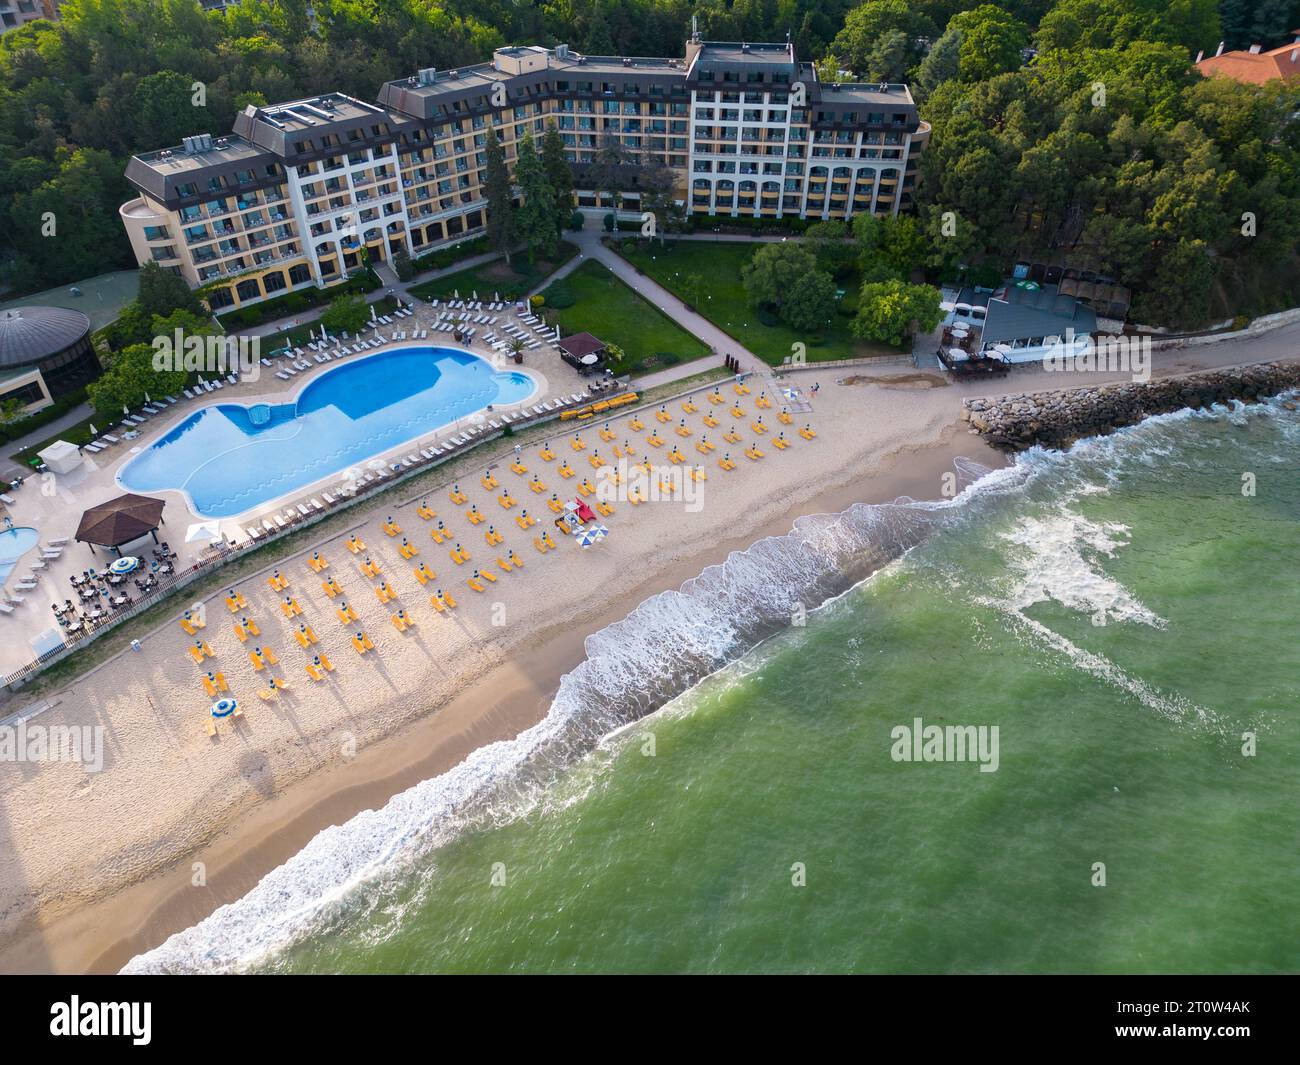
722, 300
513, 281
604, 306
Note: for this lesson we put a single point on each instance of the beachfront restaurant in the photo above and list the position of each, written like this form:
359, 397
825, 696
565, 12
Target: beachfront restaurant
120, 521
1025, 322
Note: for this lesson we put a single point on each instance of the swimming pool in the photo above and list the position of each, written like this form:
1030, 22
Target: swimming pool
14, 543
230, 458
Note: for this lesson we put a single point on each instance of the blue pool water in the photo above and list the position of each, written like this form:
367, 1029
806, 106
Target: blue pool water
14, 543
231, 458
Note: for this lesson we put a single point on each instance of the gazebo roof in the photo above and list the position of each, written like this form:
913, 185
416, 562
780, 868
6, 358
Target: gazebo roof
120, 520
581, 344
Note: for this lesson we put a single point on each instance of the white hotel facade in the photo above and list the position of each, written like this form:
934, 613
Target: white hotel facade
289, 198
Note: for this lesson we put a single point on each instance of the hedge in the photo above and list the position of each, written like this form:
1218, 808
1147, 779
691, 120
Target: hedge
296, 302
17, 430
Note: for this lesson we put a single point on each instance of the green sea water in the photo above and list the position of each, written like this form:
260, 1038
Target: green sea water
1125, 615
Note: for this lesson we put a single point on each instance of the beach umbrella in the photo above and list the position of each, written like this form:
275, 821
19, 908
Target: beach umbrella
789, 393
224, 707
125, 564
587, 537
203, 530
601, 531
93, 430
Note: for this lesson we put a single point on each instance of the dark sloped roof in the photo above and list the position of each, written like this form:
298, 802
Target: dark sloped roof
120, 520
1016, 314
581, 344
28, 334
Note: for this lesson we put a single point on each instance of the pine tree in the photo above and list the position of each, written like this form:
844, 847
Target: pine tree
558, 175
501, 215
535, 221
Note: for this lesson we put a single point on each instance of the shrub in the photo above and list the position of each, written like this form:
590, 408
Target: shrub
560, 296
610, 224
577, 220
537, 301
667, 358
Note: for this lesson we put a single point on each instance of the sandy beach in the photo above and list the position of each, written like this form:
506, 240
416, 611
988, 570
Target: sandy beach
102, 866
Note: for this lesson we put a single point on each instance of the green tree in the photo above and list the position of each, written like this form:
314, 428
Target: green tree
129, 377
402, 264
832, 244
346, 314
559, 175
535, 219
810, 304
991, 42
941, 64
164, 112
891, 311
858, 44
497, 190
770, 275
160, 292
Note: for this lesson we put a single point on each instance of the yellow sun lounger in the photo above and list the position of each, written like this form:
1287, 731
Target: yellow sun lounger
457, 496
423, 574
807, 432
741, 388
370, 568
267, 695
506, 500
662, 415
459, 555
391, 527
586, 488
355, 545
698, 474
314, 672
753, 453
781, 442
199, 652
209, 687
290, 608
317, 563
408, 550
489, 481
577, 443
475, 515
474, 585
305, 637
654, 440
384, 593
403, 621
737, 411
424, 511
726, 463
362, 643
441, 534
188, 627
515, 560
536, 485
710, 421
524, 521
332, 587
785, 418
539, 542
492, 536
277, 582
636, 424
731, 436
441, 602
607, 434
555, 504
324, 661
346, 613
676, 457
505, 566
689, 406
519, 468
236, 601
566, 471
596, 461
763, 401
605, 508
546, 453
758, 426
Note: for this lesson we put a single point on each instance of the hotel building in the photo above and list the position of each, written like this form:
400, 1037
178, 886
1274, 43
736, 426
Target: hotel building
290, 198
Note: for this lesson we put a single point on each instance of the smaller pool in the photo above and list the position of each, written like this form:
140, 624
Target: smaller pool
14, 543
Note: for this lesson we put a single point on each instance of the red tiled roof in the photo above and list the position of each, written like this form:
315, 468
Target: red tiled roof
1255, 68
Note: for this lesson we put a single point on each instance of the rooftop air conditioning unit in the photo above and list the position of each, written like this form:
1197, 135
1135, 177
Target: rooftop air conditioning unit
428, 75
561, 51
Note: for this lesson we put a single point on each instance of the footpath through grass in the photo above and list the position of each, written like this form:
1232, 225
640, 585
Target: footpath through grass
706, 276
592, 300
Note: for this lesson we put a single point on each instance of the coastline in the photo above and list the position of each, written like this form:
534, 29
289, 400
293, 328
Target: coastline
102, 933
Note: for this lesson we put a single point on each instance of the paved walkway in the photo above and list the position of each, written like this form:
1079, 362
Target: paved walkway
9, 469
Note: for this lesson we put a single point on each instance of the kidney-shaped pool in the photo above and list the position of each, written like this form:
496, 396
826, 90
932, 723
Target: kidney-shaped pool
230, 458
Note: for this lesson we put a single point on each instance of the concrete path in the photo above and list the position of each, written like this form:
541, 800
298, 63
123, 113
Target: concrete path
9, 469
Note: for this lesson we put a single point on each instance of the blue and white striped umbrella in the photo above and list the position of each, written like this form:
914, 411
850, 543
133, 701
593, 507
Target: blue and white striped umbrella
223, 707
125, 564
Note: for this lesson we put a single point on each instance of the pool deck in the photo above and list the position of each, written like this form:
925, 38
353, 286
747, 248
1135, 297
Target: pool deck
53, 504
